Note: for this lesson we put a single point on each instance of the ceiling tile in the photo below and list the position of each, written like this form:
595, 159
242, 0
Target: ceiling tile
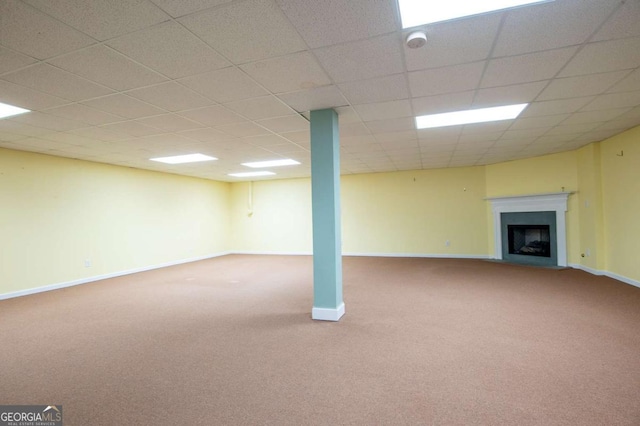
39, 145
405, 137
346, 114
84, 113
10, 60
628, 84
373, 57
439, 135
177, 8
570, 129
48, 121
442, 103
171, 96
614, 100
17, 23
488, 127
604, 56
215, 115
132, 128
299, 137
243, 129
262, 107
162, 140
77, 140
354, 129
457, 78
384, 110
10, 137
526, 68
297, 71
290, 123
524, 133
98, 133
619, 124
550, 25
170, 123
560, 106
108, 67
506, 95
103, 19
455, 42
225, 85
388, 88
51, 80
623, 23
24, 129
265, 140
27, 98
391, 125
124, 106
541, 121
246, 31
572, 87
595, 116
318, 98
206, 134
339, 21
170, 49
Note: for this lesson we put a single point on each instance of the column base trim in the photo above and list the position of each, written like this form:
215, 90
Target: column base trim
327, 314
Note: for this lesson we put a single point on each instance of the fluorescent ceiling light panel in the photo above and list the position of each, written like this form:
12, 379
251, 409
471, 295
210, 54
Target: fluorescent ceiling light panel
272, 163
7, 110
188, 158
422, 12
251, 174
470, 116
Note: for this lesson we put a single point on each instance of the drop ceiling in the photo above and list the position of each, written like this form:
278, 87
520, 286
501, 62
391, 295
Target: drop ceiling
122, 81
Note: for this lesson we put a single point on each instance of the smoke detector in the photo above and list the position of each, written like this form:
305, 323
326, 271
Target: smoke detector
416, 39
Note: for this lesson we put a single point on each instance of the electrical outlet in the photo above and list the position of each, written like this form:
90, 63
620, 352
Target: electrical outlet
447, 243
588, 252
87, 263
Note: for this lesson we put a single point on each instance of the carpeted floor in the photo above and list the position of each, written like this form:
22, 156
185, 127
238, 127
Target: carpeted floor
423, 342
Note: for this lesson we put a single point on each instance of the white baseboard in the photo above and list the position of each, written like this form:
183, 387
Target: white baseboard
622, 278
274, 253
421, 255
327, 314
357, 254
104, 277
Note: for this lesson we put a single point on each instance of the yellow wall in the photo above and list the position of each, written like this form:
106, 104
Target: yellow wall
590, 207
621, 200
279, 220
387, 213
539, 175
57, 212
415, 212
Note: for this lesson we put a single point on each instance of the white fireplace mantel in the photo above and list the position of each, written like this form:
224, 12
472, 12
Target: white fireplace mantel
554, 201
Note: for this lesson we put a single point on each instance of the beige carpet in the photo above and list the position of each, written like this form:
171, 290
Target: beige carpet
424, 342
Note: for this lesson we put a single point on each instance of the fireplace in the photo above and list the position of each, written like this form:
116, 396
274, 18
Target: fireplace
529, 240
531, 229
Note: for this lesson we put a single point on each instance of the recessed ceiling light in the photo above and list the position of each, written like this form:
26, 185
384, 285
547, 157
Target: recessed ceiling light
251, 174
7, 110
470, 116
421, 12
188, 158
272, 163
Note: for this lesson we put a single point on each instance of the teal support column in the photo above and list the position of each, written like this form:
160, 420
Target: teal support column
327, 241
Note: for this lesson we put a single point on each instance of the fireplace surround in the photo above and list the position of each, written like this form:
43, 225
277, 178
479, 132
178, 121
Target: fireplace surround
533, 212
